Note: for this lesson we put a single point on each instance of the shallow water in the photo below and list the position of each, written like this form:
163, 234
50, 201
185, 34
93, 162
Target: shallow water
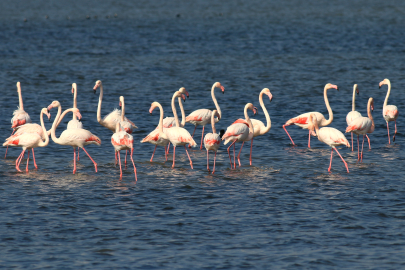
285, 211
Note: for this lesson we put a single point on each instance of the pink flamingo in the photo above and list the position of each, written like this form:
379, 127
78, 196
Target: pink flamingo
20, 117
213, 140
121, 140
29, 141
179, 136
74, 123
258, 126
390, 112
362, 126
330, 136
109, 121
202, 117
239, 132
73, 137
354, 114
127, 126
302, 120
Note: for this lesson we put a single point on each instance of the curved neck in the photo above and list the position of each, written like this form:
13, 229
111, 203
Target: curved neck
21, 107
370, 116
56, 122
160, 126
215, 101
354, 99
268, 121
316, 126
74, 101
386, 97
100, 100
42, 144
247, 118
325, 95
176, 118
214, 131
122, 110
183, 115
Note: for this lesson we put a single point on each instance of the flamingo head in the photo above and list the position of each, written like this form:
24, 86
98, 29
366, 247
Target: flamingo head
216, 113
121, 101
77, 113
329, 86
97, 85
385, 81
218, 84
371, 103
183, 91
267, 92
18, 87
74, 87
45, 111
356, 88
251, 107
153, 106
54, 104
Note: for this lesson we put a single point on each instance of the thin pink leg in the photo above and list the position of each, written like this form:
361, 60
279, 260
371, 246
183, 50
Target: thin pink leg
78, 154
352, 140
393, 138
151, 159
95, 164
230, 160
119, 158
192, 136
74, 160
288, 135
240, 152
202, 138
28, 160
21, 158
347, 168
208, 165
166, 152
7, 145
215, 157
133, 163
126, 153
191, 163
168, 149
358, 148
250, 158
18, 160
361, 157
234, 156
369, 146
309, 139
33, 156
174, 155
116, 158
331, 156
389, 142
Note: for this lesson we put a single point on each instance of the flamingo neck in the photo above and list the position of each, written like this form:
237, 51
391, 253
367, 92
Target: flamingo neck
176, 118
316, 126
55, 125
43, 144
388, 93
74, 101
325, 95
49, 132
370, 115
268, 121
214, 131
354, 99
183, 115
21, 107
100, 100
216, 102
160, 126
247, 118
122, 110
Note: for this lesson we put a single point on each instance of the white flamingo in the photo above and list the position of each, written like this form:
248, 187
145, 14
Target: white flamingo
390, 112
202, 117
28, 141
212, 140
121, 140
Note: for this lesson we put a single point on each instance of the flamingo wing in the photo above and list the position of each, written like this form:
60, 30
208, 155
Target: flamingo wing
351, 116
390, 112
199, 116
235, 131
332, 137
359, 125
179, 136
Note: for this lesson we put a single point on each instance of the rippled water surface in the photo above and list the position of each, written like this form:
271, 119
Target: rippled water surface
285, 211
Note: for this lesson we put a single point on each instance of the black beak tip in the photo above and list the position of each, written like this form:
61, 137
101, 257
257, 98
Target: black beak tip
94, 91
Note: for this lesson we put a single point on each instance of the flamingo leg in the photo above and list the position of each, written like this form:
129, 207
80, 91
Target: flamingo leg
7, 145
168, 149
119, 158
208, 165
393, 138
174, 155
95, 164
126, 153
352, 140
28, 160
151, 159
230, 161
234, 163
361, 157
133, 163
388, 129
347, 168
202, 138
33, 156
369, 146
309, 139
331, 156
116, 158
250, 158
215, 157
289, 135
358, 148
21, 158
18, 160
192, 136
239, 153
166, 152
78, 154
191, 163
74, 160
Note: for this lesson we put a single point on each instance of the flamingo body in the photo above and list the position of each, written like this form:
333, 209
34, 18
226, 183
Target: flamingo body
351, 116
114, 117
179, 136
236, 132
20, 117
74, 124
212, 141
360, 126
155, 139
78, 138
390, 113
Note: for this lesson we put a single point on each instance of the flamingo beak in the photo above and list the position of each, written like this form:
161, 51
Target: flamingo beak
73, 91
270, 96
186, 92
183, 97
94, 91
120, 105
223, 89
255, 111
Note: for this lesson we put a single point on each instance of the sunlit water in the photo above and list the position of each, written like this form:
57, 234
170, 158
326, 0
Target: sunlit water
285, 211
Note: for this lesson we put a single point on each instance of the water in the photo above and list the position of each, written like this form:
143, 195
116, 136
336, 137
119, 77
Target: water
285, 211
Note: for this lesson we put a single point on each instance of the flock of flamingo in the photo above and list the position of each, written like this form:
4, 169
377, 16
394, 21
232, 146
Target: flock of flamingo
171, 131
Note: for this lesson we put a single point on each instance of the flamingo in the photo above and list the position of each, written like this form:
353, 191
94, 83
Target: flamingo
114, 117
127, 126
390, 112
258, 126
202, 117
157, 136
73, 137
28, 141
213, 140
239, 132
20, 117
179, 136
362, 126
354, 114
302, 120
329, 136
121, 140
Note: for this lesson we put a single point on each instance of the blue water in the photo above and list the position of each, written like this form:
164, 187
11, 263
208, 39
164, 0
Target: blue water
284, 212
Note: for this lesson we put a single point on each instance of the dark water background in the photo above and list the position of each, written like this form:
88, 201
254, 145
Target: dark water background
285, 211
